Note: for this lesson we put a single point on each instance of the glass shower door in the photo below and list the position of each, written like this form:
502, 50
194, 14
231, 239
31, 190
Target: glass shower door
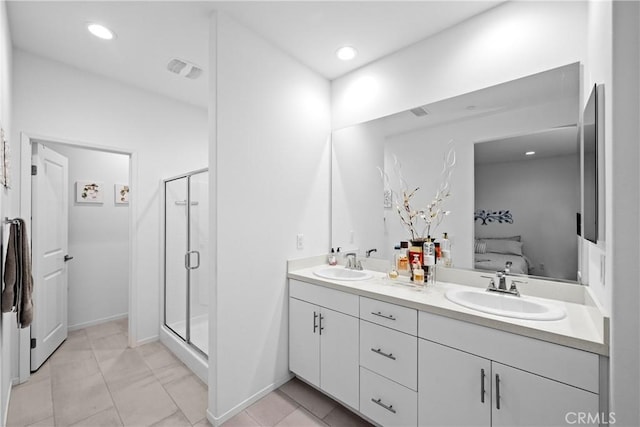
186, 302
175, 248
198, 247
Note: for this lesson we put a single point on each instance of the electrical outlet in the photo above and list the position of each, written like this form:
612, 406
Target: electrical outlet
300, 241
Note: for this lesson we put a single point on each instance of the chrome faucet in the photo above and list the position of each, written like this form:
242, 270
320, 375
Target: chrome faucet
507, 267
352, 262
502, 284
502, 279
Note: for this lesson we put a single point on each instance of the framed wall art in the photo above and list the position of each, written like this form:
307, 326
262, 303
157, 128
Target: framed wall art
89, 192
121, 194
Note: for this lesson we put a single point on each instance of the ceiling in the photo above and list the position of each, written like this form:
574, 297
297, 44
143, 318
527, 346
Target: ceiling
555, 88
151, 33
549, 143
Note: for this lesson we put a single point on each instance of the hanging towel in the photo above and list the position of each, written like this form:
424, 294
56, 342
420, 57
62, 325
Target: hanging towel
10, 293
17, 275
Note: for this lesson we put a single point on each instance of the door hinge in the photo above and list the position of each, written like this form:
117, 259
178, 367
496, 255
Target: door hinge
34, 170
33, 343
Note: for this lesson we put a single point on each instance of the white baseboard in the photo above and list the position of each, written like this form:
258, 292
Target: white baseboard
5, 414
147, 340
217, 421
97, 321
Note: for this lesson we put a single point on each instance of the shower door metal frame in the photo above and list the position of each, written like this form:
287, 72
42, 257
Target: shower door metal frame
187, 259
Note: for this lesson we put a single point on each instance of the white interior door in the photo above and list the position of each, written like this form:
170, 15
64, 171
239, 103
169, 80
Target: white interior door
50, 196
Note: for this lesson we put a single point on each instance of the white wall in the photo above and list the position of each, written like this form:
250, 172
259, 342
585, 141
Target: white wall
8, 326
543, 195
623, 266
271, 155
513, 40
169, 137
98, 275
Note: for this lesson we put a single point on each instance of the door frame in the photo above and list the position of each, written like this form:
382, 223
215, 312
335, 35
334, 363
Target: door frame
26, 139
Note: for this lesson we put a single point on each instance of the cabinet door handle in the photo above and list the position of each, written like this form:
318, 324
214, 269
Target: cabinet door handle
482, 391
387, 407
315, 325
382, 353
321, 327
497, 391
379, 314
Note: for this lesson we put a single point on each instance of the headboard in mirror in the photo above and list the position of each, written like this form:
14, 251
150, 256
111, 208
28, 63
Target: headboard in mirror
418, 139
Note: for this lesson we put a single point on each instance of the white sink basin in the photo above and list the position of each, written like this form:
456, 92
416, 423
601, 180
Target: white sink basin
341, 273
505, 305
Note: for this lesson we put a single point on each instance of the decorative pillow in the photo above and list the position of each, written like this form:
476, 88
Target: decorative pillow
481, 247
500, 246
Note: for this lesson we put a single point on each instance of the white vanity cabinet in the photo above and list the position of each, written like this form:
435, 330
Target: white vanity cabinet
455, 387
466, 373
323, 339
400, 366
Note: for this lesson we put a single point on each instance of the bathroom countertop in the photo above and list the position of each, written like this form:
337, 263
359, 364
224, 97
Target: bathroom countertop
583, 328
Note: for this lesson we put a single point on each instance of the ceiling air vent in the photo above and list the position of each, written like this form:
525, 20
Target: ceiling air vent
184, 68
419, 111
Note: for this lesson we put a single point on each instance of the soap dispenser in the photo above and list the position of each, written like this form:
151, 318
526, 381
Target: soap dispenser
331, 259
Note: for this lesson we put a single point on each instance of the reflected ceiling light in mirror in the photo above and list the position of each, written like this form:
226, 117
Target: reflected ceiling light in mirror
100, 31
346, 53
529, 153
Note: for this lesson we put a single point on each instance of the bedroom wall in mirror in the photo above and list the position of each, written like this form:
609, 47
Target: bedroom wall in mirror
418, 139
527, 194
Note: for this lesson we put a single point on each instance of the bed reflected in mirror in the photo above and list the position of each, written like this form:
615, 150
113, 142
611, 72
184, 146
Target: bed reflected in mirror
527, 194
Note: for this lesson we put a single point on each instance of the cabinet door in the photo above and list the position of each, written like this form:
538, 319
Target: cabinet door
304, 340
524, 399
339, 370
454, 387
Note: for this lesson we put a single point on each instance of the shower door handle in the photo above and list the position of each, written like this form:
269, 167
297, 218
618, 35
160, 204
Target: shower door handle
187, 260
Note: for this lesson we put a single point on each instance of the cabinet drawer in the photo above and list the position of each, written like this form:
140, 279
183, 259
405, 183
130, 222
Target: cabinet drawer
568, 365
386, 402
342, 302
390, 315
389, 353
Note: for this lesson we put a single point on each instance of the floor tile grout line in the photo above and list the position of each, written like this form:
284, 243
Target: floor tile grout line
250, 416
107, 384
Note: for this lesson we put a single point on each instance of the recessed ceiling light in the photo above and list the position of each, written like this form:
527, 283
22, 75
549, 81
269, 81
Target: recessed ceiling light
346, 53
530, 153
100, 31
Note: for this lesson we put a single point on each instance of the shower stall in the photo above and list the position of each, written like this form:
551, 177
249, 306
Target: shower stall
185, 328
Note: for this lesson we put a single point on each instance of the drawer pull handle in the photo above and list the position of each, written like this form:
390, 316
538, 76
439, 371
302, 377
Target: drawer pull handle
482, 391
382, 353
321, 327
497, 391
379, 314
379, 402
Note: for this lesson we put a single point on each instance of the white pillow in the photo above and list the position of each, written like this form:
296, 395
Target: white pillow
480, 247
499, 246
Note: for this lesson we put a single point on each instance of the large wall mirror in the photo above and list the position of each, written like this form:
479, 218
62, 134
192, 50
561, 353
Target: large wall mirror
529, 202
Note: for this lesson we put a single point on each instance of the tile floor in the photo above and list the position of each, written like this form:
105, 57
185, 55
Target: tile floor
93, 379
